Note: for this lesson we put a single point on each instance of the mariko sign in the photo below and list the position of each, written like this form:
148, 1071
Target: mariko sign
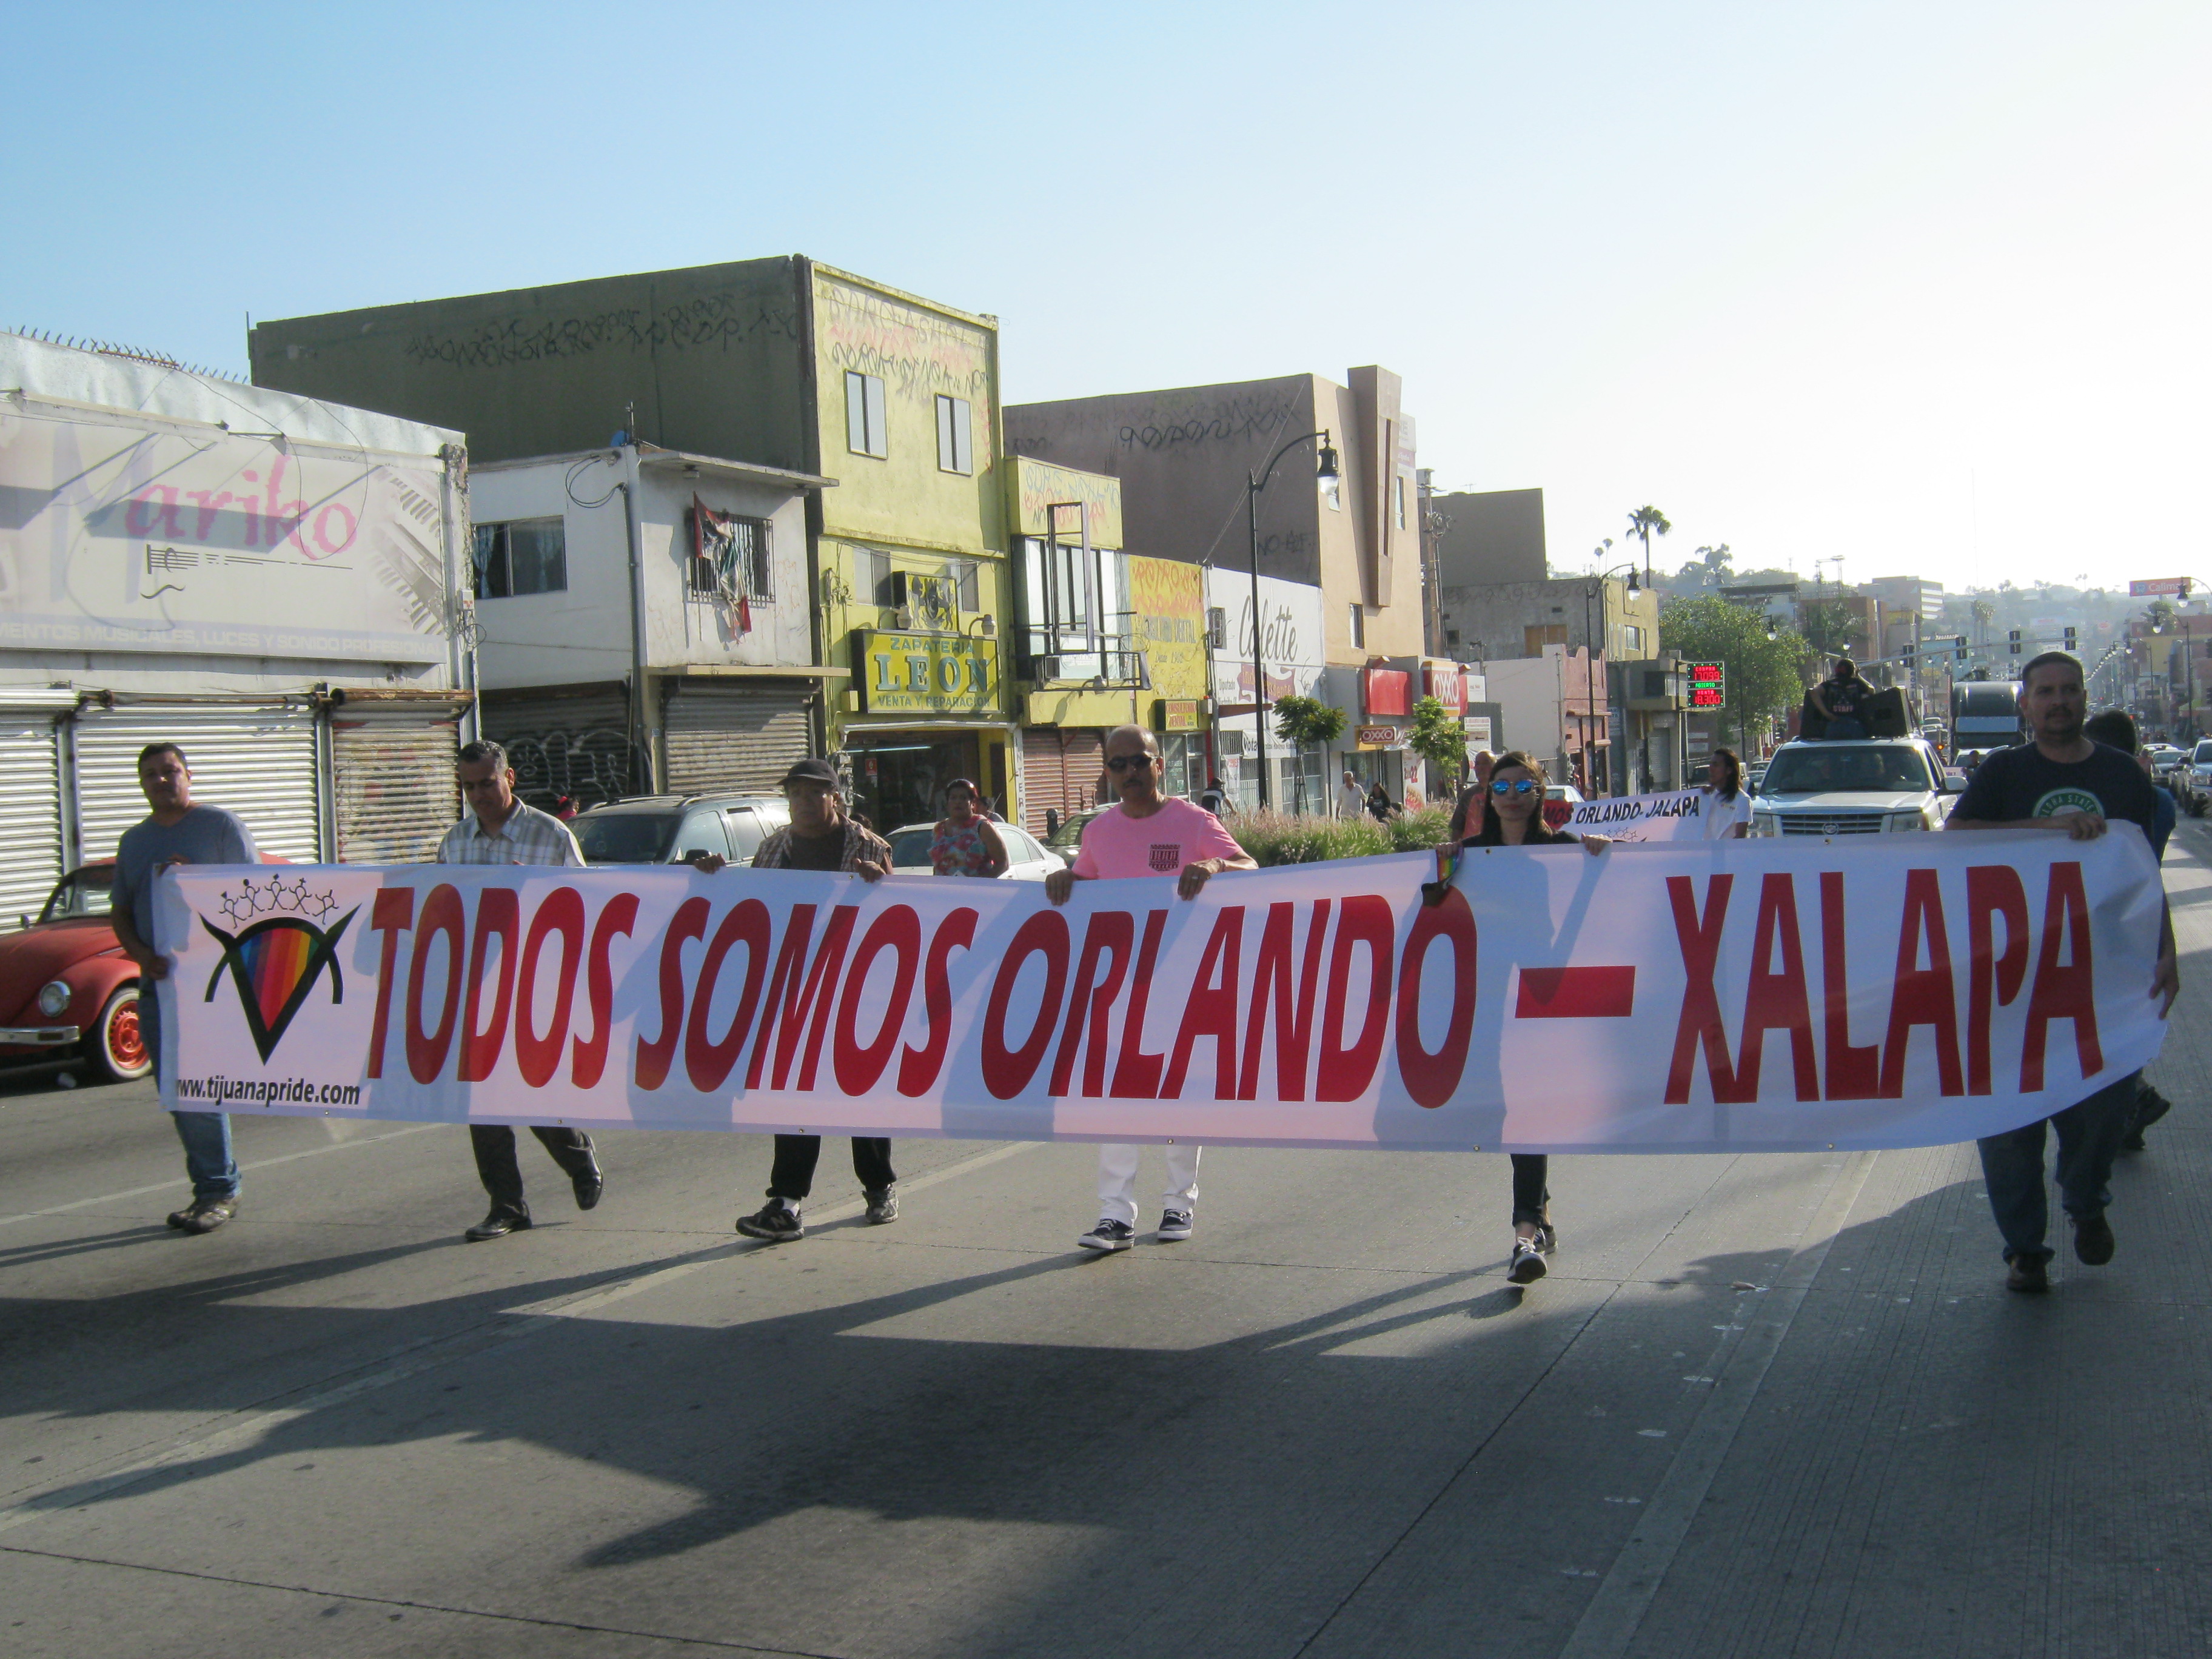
1759, 995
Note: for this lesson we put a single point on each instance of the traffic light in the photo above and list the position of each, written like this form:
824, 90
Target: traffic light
1961, 644
2015, 641
1905, 658
2069, 637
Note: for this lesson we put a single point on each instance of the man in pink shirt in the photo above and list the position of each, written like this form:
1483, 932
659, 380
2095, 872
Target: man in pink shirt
1152, 835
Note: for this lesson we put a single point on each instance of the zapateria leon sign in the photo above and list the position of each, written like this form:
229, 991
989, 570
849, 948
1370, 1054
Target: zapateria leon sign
1752, 995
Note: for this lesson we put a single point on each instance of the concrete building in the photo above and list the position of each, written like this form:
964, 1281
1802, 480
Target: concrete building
1184, 458
685, 574
275, 583
1489, 535
777, 363
1555, 706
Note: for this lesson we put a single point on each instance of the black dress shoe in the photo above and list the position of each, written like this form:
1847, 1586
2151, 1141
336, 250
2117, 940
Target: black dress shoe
589, 1186
498, 1224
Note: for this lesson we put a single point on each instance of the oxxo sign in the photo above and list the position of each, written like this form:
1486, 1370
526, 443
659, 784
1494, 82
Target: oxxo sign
1708, 685
923, 670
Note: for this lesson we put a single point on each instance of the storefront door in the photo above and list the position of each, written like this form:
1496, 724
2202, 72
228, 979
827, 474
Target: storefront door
899, 777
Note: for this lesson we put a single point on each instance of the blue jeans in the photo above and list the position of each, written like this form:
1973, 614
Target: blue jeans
2089, 1133
206, 1135
1844, 727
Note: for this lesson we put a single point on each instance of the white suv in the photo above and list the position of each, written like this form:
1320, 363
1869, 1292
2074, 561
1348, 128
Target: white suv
1872, 786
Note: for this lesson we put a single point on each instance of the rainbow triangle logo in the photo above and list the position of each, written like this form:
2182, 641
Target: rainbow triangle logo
274, 963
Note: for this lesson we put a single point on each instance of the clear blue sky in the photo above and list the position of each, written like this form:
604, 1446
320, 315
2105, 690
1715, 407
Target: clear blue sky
1923, 285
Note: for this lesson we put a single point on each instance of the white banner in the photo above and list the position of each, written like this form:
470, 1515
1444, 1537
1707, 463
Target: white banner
1677, 815
1751, 995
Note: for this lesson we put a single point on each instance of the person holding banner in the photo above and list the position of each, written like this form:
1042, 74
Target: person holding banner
179, 830
2116, 729
1726, 809
2066, 782
498, 828
1513, 815
1147, 834
823, 835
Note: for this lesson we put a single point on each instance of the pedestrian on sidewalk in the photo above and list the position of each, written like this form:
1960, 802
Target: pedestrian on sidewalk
179, 830
1148, 834
498, 828
2065, 783
823, 835
1351, 799
1513, 815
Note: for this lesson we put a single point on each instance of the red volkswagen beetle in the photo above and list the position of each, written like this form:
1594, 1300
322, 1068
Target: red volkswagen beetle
66, 989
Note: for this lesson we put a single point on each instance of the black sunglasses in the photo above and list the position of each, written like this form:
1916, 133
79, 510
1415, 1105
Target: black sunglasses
1124, 763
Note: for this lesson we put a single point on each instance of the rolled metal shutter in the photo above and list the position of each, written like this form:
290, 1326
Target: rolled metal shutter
563, 743
393, 770
31, 828
1059, 772
740, 738
259, 763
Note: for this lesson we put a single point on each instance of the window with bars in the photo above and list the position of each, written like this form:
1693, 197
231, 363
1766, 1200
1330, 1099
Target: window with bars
955, 436
731, 557
866, 433
520, 558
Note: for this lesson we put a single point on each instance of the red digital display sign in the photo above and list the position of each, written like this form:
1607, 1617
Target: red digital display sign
1708, 685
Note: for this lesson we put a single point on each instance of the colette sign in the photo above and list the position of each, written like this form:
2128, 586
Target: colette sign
1788, 993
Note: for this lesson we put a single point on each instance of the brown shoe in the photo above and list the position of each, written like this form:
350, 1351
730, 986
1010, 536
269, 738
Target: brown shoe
205, 1214
2028, 1274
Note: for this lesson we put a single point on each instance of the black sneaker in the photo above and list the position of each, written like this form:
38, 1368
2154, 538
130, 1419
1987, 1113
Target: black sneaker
1108, 1235
883, 1205
204, 1215
1527, 1265
775, 1221
2092, 1239
1173, 1224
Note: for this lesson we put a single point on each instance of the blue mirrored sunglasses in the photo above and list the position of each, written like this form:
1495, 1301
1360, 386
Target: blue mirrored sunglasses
1517, 787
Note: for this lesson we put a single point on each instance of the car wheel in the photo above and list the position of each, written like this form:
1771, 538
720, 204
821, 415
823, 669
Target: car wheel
115, 1044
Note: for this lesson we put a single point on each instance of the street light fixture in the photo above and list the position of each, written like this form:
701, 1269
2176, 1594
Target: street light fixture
1325, 478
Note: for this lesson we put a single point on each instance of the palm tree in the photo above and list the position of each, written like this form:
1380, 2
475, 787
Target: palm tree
1985, 613
1646, 522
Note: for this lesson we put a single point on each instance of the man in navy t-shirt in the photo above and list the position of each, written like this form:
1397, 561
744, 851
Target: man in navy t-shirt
2062, 782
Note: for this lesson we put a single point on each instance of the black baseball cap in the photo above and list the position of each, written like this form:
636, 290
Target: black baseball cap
818, 772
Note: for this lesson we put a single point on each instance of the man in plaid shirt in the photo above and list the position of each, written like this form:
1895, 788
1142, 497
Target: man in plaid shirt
822, 836
500, 830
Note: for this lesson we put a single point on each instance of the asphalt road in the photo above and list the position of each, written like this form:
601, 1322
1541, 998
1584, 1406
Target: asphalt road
1762, 1405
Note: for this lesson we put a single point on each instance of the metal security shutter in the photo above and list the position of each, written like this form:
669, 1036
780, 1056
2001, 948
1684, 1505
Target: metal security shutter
395, 790
563, 743
1059, 772
31, 828
259, 763
740, 738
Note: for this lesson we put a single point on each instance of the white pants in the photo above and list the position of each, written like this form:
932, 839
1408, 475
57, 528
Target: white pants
1117, 1179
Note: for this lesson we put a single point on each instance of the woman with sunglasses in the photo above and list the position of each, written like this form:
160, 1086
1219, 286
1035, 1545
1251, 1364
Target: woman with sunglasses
1513, 815
964, 843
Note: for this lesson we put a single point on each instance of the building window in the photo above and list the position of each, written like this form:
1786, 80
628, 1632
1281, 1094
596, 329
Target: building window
864, 433
955, 436
1451, 638
730, 555
524, 556
1358, 628
1399, 499
1631, 639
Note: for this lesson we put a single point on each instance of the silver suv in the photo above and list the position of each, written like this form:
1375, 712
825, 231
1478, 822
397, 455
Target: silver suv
670, 828
1872, 786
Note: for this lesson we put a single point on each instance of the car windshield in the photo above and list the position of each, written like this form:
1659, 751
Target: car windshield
2204, 753
625, 837
910, 848
1070, 833
1821, 767
82, 893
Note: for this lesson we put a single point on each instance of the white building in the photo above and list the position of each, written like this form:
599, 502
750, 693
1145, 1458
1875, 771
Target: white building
682, 579
271, 582
1293, 657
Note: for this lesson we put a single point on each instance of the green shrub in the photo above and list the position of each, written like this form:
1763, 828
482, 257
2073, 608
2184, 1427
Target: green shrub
1275, 838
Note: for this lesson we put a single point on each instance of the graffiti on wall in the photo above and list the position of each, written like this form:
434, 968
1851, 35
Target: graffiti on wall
1238, 419
724, 319
919, 353
1167, 622
1037, 485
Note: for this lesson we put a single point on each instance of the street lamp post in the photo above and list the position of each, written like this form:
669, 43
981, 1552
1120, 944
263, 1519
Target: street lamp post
1324, 475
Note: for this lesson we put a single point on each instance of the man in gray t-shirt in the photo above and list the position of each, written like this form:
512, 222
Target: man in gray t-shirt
178, 831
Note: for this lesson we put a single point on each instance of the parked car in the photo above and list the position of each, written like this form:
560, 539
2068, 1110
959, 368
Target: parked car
1560, 801
2164, 757
1753, 776
2192, 784
1028, 859
66, 989
1859, 786
669, 828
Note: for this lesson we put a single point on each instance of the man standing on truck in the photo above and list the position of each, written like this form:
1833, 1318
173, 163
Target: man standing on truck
2064, 782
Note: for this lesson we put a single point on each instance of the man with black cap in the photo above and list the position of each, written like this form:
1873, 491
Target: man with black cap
822, 836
